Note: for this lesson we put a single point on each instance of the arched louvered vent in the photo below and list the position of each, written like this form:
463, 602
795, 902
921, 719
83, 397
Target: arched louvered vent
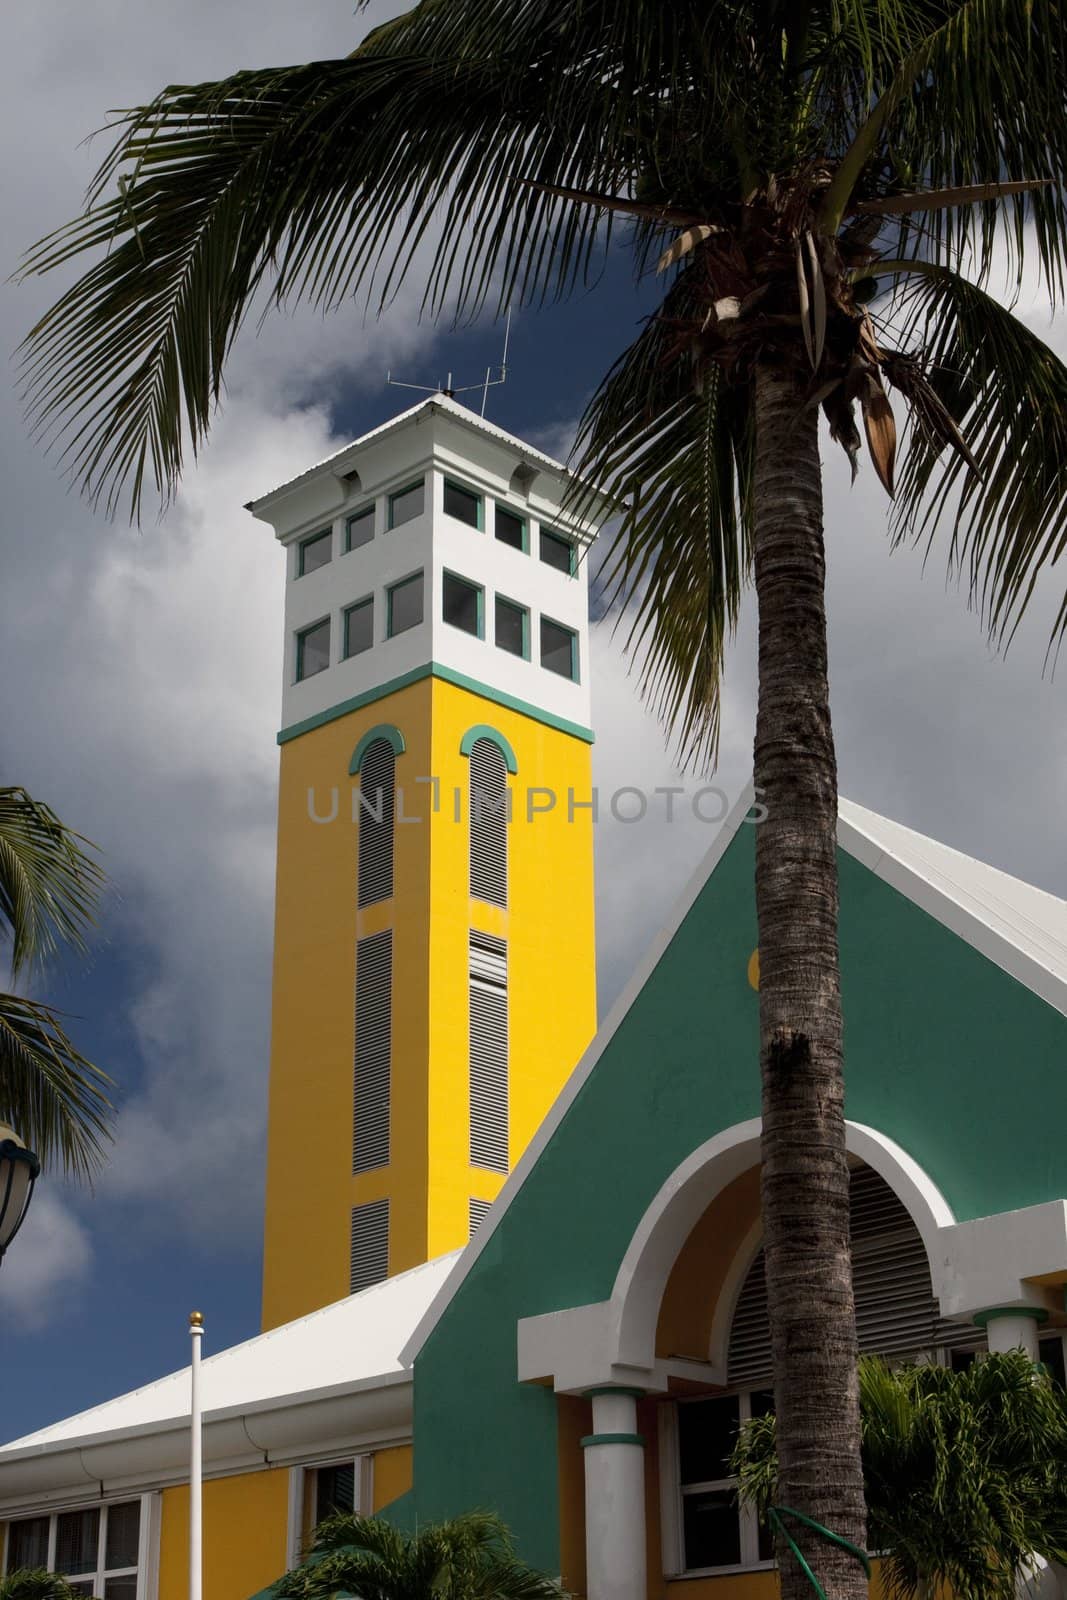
489, 1052
896, 1313
376, 810
370, 1245
488, 819
479, 1210
374, 1039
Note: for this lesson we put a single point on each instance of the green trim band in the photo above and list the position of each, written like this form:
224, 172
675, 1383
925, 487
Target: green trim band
611, 1388
612, 1438
482, 730
384, 730
436, 670
982, 1318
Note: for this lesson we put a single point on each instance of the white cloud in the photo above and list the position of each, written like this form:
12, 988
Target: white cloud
47, 1265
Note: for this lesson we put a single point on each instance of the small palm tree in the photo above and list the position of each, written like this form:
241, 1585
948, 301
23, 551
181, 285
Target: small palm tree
53, 1097
34, 1583
470, 1558
965, 1474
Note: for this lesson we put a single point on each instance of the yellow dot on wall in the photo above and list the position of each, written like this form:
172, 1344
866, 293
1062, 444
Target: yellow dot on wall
753, 969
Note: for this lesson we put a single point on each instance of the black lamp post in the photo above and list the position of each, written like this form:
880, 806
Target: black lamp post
19, 1170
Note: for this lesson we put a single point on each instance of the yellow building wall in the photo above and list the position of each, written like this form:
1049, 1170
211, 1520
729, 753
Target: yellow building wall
393, 1475
245, 1529
549, 926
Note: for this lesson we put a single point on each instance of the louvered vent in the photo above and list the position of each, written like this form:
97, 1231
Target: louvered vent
370, 1245
374, 1031
479, 1210
489, 1052
896, 1313
488, 818
377, 784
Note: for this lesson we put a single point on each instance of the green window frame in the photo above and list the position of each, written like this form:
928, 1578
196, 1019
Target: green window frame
323, 540
454, 486
552, 539
364, 520
302, 638
476, 589
550, 622
364, 605
391, 631
524, 526
501, 601
399, 495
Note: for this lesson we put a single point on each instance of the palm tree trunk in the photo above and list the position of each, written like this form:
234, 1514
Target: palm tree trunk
805, 1175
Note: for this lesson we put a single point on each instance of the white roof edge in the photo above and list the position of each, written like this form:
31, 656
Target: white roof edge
434, 403
865, 848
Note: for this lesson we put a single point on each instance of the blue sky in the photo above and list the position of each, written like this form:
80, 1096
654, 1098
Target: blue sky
140, 689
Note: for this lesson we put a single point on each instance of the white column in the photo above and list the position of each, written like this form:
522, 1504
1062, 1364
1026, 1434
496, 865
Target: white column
615, 1498
1012, 1328
196, 1556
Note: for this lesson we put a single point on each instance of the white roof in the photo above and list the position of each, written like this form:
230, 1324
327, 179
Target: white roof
350, 1344
436, 403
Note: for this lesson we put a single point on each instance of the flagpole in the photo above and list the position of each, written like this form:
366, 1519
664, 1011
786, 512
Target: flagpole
196, 1333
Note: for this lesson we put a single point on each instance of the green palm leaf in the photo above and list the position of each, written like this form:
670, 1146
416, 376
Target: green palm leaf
50, 1093
49, 882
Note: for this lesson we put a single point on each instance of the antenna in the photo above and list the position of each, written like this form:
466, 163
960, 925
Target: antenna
450, 390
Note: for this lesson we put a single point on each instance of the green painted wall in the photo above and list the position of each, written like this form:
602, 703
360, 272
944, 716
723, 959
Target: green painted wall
944, 1053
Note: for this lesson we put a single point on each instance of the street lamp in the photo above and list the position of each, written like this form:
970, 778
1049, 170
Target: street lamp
19, 1170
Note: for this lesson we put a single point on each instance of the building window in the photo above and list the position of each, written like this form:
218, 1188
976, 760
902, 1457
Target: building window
335, 1490
478, 1210
462, 605
512, 628
372, 1065
488, 823
98, 1549
559, 649
359, 530
463, 504
313, 650
370, 1245
315, 552
717, 1533
407, 504
510, 528
557, 551
488, 1052
377, 807
405, 605
359, 627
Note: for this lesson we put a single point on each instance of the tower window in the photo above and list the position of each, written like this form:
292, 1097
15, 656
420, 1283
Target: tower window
359, 530
315, 552
510, 528
557, 551
559, 649
370, 1245
405, 605
463, 504
313, 650
372, 1062
359, 627
478, 1210
488, 1052
512, 628
488, 823
377, 782
407, 504
462, 605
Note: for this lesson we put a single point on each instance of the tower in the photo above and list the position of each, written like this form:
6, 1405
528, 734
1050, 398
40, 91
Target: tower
434, 976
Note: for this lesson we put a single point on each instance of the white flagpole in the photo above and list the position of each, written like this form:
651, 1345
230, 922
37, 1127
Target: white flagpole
196, 1333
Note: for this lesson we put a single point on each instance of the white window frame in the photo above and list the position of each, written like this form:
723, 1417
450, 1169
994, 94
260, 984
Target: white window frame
298, 1534
147, 1568
672, 1494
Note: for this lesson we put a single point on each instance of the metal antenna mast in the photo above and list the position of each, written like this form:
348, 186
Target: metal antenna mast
449, 389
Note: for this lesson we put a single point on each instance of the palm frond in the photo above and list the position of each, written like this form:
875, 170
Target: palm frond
49, 1092
1007, 393
49, 882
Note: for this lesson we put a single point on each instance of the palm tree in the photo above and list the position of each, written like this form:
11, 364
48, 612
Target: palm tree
36, 1584
835, 182
470, 1558
964, 1474
49, 885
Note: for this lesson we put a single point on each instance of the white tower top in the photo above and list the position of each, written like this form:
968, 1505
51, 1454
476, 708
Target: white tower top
435, 543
